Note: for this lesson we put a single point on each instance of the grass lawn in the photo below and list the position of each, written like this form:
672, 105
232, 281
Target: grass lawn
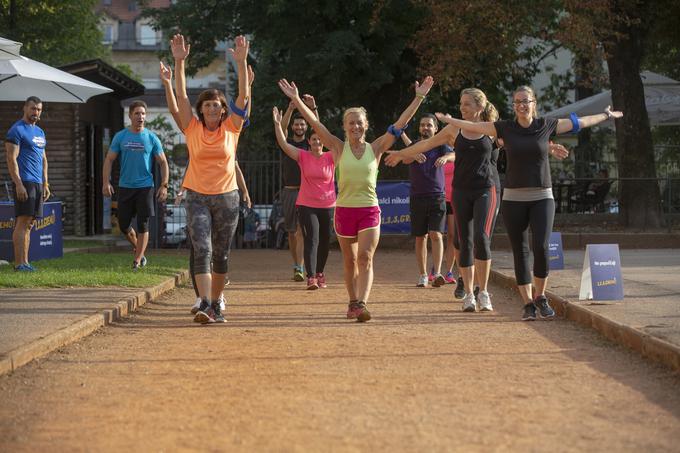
95, 269
81, 244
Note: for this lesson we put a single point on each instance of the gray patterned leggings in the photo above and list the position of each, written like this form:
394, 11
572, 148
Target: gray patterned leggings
212, 221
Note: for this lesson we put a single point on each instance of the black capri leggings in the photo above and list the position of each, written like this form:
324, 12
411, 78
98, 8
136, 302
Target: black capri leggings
518, 217
475, 217
316, 231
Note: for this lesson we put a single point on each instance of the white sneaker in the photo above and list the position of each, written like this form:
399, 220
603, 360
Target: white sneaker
197, 305
469, 303
484, 301
422, 281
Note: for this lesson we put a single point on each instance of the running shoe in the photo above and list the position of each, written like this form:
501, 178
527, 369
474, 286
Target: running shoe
203, 315
24, 268
321, 280
544, 308
135, 266
142, 262
217, 312
469, 303
438, 281
529, 312
450, 278
484, 301
430, 277
358, 311
312, 284
298, 275
459, 292
422, 281
197, 304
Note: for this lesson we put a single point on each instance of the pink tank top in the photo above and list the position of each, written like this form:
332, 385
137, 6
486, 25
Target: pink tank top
317, 182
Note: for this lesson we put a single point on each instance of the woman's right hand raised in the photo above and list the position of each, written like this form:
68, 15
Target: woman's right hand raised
165, 73
444, 117
180, 49
289, 89
276, 116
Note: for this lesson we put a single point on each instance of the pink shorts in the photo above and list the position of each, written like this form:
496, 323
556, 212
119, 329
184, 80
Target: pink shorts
349, 222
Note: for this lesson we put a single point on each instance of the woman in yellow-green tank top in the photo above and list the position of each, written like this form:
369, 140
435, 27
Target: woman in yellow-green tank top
357, 214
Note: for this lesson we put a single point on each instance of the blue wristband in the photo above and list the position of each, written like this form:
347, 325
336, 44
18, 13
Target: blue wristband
396, 132
246, 122
238, 111
575, 127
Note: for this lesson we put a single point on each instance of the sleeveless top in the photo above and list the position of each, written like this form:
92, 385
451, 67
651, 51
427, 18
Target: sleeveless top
357, 178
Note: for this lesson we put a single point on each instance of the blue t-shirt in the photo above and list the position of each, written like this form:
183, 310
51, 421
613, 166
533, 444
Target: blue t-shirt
426, 178
137, 152
31, 141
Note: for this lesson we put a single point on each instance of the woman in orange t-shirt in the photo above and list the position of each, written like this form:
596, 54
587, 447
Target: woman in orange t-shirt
212, 197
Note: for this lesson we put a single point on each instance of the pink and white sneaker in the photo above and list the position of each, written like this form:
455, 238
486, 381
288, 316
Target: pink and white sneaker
321, 280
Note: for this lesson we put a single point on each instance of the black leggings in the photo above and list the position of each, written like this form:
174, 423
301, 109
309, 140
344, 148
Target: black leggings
518, 217
316, 230
475, 217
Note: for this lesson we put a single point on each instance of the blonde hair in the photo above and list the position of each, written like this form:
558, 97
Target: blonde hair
355, 110
489, 112
527, 89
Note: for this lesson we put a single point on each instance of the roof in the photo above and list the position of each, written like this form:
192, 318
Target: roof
100, 72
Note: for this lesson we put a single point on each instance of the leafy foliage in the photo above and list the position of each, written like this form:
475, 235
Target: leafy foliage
54, 32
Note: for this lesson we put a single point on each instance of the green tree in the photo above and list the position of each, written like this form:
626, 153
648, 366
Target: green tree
54, 32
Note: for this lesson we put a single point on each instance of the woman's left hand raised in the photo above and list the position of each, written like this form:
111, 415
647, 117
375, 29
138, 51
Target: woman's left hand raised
424, 88
289, 88
241, 44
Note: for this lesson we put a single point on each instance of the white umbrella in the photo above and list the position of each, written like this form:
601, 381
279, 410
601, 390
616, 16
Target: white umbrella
21, 77
9, 48
662, 98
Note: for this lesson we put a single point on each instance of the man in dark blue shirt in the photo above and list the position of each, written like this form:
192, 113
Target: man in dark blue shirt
27, 164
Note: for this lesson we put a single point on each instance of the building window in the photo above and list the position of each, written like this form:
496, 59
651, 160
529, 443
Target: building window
106, 2
108, 33
132, 6
147, 35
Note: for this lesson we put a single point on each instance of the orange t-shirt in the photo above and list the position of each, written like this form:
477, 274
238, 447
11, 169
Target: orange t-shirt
212, 157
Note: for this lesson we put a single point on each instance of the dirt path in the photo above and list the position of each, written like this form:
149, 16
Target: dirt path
289, 373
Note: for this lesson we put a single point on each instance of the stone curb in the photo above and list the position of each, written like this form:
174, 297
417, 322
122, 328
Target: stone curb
651, 347
38, 348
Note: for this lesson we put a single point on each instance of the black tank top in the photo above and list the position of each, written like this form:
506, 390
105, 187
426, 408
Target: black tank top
475, 163
290, 171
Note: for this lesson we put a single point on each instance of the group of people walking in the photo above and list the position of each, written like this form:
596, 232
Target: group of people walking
455, 186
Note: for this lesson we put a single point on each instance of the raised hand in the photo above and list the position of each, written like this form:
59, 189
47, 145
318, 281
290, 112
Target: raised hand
276, 116
424, 88
613, 113
309, 101
165, 72
289, 89
241, 44
180, 49
443, 117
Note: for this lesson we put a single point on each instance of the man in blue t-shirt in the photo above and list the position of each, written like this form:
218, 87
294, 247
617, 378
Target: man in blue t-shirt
138, 148
428, 201
27, 163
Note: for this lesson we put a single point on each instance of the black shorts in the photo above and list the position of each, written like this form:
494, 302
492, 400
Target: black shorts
290, 214
33, 206
428, 213
135, 202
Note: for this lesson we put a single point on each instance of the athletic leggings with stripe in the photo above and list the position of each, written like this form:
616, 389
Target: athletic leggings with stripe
316, 231
518, 217
211, 221
475, 213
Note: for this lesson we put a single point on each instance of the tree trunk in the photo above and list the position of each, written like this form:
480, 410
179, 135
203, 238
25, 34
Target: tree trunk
639, 200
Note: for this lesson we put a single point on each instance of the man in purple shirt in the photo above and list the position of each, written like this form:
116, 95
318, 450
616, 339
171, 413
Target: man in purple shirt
428, 201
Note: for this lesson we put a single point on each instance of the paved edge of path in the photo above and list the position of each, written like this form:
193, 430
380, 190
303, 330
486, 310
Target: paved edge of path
639, 341
67, 335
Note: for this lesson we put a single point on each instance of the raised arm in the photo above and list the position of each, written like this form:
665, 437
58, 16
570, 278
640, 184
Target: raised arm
166, 80
251, 79
443, 137
240, 56
566, 125
285, 121
333, 143
287, 148
486, 127
180, 51
385, 141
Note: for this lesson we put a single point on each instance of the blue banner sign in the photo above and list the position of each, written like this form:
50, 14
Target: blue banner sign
395, 213
601, 276
555, 251
46, 236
